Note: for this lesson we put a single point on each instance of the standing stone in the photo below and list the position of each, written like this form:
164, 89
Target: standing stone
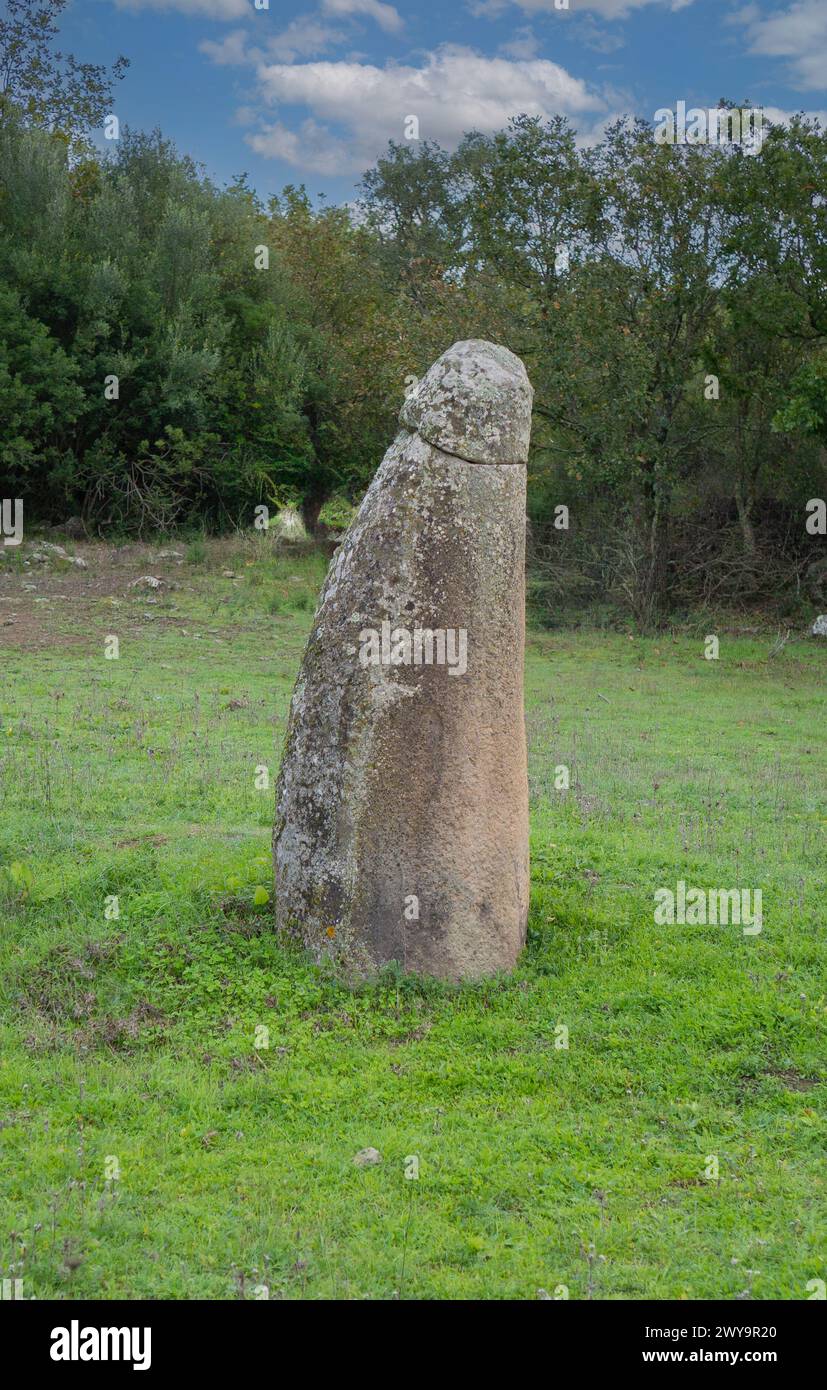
402, 806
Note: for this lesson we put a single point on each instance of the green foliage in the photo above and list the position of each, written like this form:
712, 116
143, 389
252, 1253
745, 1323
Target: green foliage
806, 410
39, 397
49, 88
233, 384
628, 276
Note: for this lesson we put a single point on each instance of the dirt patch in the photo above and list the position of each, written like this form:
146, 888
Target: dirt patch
792, 1079
56, 604
58, 989
119, 1032
416, 1035
60, 1004
154, 840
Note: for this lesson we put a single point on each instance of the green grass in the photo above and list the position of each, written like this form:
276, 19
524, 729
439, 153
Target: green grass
540, 1166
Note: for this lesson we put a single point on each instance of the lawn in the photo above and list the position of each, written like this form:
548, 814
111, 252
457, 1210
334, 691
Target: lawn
638, 1112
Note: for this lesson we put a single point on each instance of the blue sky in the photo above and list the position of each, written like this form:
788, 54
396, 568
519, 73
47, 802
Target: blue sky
310, 91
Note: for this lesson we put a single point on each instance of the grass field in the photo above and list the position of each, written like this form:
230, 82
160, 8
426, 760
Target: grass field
128, 1043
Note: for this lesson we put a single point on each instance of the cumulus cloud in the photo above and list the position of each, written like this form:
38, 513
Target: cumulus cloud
311, 147
210, 9
524, 44
609, 9
304, 37
355, 108
229, 51
386, 16
779, 117
798, 33
601, 40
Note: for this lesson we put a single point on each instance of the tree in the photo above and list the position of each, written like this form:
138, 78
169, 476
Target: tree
524, 199
39, 400
344, 327
49, 88
409, 203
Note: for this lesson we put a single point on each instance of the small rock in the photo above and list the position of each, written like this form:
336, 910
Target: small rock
366, 1158
48, 550
819, 628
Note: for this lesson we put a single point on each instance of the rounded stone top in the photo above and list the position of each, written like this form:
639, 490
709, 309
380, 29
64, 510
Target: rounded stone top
475, 403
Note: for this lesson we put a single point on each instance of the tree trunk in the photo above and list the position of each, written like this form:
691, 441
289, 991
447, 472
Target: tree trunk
744, 506
311, 506
655, 573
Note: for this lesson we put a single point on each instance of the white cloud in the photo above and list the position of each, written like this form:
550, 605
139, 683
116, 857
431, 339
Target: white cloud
779, 117
211, 9
304, 37
589, 32
229, 51
798, 33
487, 9
386, 16
610, 9
523, 45
356, 108
311, 147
